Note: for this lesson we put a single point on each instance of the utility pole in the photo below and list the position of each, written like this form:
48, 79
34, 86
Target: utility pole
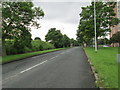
95, 26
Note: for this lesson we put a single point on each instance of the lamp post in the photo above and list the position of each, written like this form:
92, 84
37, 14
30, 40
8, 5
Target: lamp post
95, 26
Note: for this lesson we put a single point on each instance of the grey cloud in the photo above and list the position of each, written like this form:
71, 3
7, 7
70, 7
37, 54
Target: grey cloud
67, 12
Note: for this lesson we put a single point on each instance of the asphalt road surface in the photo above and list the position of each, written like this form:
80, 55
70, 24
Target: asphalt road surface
61, 69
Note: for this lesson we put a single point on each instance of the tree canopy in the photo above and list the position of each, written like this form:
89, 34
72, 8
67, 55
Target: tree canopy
59, 40
37, 38
104, 20
66, 41
115, 38
54, 36
17, 18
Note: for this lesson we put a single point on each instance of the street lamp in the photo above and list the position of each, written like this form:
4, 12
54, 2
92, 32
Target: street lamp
95, 26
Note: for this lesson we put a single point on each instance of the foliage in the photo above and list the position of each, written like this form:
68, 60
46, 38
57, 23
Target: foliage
59, 40
66, 41
74, 42
17, 16
115, 38
16, 19
55, 37
37, 38
10, 58
104, 41
38, 45
104, 20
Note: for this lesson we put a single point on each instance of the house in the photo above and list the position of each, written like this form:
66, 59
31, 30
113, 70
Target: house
116, 28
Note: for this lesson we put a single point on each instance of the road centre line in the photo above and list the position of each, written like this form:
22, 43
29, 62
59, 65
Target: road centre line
32, 66
25, 70
35, 56
37, 65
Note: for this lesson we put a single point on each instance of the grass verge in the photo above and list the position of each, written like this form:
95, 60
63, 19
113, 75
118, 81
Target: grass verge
11, 58
106, 66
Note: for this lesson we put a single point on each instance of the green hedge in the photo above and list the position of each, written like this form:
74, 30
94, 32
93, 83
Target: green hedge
11, 58
36, 45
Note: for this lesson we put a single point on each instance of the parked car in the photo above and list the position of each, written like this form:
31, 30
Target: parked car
105, 45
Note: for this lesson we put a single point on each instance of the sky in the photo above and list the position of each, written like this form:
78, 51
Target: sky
63, 16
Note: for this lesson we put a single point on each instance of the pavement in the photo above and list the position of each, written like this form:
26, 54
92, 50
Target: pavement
67, 68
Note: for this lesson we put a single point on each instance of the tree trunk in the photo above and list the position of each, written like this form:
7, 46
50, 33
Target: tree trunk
97, 43
3, 48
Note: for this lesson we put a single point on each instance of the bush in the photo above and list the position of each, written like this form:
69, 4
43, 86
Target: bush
37, 45
9, 44
27, 50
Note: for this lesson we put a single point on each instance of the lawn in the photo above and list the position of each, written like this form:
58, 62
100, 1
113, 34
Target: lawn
106, 65
21, 56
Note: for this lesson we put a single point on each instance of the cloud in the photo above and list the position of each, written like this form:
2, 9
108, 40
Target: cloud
60, 15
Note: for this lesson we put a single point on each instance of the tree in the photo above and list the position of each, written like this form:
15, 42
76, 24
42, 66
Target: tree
66, 41
104, 20
37, 38
54, 36
20, 43
103, 41
74, 42
17, 17
116, 38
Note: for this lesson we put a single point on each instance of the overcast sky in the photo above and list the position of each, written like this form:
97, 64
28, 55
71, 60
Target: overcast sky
61, 15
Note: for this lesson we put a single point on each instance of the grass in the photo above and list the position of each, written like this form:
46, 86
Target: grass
106, 65
21, 56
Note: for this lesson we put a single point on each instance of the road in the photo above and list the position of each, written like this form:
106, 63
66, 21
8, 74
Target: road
61, 69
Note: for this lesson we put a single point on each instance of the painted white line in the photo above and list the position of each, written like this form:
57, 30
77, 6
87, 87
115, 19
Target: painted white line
53, 57
25, 70
11, 76
29, 68
33, 66
57, 56
35, 57
62, 53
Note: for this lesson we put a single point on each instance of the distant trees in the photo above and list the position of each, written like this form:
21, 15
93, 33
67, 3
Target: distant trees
104, 20
54, 36
59, 40
66, 41
37, 38
36, 45
115, 38
16, 19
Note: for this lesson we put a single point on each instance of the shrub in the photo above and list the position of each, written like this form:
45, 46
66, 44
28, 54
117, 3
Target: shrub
9, 44
38, 45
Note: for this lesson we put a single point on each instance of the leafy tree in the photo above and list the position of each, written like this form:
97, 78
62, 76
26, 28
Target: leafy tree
74, 42
103, 41
116, 38
54, 36
104, 20
17, 17
66, 41
20, 43
37, 38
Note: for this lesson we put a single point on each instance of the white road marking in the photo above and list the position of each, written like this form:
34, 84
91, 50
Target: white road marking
32, 66
25, 70
53, 57
62, 53
35, 57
